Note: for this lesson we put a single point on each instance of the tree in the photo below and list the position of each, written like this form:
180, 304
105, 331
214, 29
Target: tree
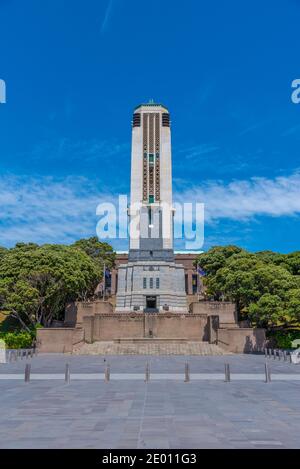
265, 286
38, 281
268, 311
3, 251
293, 305
216, 258
21, 301
98, 251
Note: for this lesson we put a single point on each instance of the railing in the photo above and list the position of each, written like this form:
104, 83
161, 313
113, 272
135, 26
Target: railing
13, 355
280, 354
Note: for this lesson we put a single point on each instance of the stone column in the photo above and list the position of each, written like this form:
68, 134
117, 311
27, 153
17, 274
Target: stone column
190, 282
213, 326
88, 326
114, 282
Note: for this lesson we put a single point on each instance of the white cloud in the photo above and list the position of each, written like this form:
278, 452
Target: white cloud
242, 200
46, 210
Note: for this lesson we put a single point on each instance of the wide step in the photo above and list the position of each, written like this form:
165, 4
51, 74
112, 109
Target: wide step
148, 348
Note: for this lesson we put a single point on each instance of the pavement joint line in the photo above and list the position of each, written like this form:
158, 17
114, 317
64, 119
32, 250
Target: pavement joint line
154, 376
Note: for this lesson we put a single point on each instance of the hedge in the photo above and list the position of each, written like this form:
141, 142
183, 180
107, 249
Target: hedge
17, 340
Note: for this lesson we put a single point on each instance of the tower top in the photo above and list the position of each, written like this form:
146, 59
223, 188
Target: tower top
150, 104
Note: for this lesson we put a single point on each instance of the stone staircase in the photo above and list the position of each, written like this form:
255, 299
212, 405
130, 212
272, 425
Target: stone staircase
148, 347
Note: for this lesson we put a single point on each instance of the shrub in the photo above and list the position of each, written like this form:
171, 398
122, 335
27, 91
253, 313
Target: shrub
16, 340
283, 339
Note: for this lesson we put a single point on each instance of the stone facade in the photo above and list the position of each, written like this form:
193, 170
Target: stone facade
162, 282
210, 322
151, 281
192, 281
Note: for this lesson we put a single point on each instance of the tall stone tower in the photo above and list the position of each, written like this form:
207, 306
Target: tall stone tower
151, 281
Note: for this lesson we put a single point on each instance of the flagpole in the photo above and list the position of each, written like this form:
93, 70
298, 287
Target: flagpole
197, 281
104, 270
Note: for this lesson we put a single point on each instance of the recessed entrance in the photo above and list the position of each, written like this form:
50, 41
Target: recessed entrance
151, 303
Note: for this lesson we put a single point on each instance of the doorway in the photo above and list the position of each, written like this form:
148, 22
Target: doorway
151, 303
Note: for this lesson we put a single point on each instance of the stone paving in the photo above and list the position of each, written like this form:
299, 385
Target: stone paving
157, 414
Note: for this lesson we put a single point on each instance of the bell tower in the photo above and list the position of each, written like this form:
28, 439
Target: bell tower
151, 281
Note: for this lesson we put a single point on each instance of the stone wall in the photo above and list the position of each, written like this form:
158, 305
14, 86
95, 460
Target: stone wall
75, 312
58, 340
225, 310
241, 340
139, 325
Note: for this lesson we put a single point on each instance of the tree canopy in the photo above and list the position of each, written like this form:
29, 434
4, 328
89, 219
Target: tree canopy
265, 286
36, 282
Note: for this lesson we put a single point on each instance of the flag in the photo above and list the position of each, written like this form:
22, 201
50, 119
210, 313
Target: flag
201, 272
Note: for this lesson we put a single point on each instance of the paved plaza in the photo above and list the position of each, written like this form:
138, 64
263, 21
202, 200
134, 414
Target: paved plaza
165, 412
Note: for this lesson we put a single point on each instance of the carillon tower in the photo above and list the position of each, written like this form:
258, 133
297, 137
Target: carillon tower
151, 184
151, 281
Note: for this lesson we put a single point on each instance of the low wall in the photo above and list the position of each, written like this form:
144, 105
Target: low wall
138, 325
58, 339
75, 312
241, 340
186, 326
225, 310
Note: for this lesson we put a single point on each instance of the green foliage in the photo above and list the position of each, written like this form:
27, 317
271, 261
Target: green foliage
99, 252
216, 258
283, 339
17, 340
3, 251
265, 286
36, 282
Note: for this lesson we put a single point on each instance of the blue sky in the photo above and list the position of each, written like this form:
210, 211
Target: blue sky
75, 70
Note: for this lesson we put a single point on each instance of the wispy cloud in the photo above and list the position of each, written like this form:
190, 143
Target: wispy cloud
46, 210
243, 200
291, 130
83, 150
256, 125
107, 16
195, 151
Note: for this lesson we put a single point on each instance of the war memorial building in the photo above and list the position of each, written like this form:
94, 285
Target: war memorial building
153, 291
151, 281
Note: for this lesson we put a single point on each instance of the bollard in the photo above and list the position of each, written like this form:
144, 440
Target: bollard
186, 373
9, 356
147, 373
227, 373
31, 353
107, 373
284, 356
270, 352
27, 373
21, 354
266, 353
267, 373
279, 354
291, 357
67, 374
274, 354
